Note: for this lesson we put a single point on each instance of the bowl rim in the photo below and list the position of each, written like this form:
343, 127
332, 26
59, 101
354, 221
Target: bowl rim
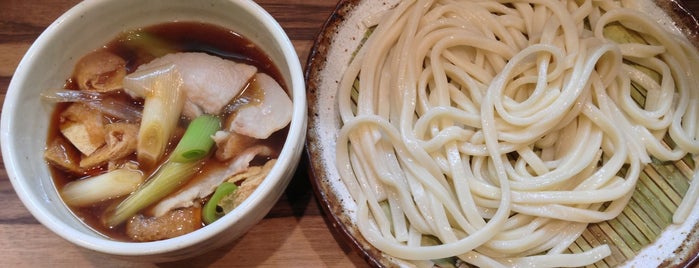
330, 203
288, 158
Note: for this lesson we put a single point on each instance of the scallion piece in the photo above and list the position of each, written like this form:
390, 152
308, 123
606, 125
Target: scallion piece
113, 184
162, 108
196, 141
210, 212
152, 44
165, 180
182, 164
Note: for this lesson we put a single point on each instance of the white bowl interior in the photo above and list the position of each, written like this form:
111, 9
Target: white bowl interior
50, 61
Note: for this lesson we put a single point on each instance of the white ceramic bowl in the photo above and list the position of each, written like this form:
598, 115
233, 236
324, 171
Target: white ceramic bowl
91, 24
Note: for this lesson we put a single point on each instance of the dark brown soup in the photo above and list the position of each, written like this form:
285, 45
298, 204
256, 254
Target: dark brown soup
177, 37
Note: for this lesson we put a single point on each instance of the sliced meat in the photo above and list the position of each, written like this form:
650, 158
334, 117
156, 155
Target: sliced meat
205, 182
274, 109
231, 144
210, 82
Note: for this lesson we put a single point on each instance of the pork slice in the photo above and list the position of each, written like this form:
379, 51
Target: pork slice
231, 144
205, 183
260, 119
209, 82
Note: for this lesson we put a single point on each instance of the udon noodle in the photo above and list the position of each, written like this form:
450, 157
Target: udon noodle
498, 130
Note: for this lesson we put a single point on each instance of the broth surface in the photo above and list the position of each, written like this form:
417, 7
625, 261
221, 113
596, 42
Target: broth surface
182, 37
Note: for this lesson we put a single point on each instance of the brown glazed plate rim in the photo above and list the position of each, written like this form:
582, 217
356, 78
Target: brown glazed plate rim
322, 114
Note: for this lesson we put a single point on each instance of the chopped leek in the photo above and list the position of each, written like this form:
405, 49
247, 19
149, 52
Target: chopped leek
113, 184
164, 101
196, 141
172, 174
165, 180
211, 213
96, 100
151, 44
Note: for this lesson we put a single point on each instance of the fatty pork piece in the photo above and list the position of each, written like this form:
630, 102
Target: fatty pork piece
209, 82
206, 181
273, 107
270, 104
230, 144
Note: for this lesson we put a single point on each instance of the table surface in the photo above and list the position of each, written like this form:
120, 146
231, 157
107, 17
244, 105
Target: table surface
293, 234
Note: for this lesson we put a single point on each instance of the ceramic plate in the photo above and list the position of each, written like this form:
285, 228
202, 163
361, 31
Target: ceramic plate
638, 237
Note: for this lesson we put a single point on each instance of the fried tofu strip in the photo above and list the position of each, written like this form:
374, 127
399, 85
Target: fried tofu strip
172, 224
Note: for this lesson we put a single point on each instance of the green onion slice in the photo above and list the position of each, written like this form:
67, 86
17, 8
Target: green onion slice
196, 141
184, 161
166, 180
210, 213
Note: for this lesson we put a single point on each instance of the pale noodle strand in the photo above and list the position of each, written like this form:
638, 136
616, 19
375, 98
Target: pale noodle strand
500, 128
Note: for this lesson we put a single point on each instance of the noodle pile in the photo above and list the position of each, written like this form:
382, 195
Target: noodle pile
495, 131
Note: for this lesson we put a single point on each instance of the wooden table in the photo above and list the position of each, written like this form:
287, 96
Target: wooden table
294, 234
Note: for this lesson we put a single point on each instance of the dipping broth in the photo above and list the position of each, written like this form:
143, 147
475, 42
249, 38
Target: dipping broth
140, 47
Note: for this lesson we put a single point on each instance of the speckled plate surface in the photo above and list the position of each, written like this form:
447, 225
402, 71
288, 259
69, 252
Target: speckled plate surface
638, 237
